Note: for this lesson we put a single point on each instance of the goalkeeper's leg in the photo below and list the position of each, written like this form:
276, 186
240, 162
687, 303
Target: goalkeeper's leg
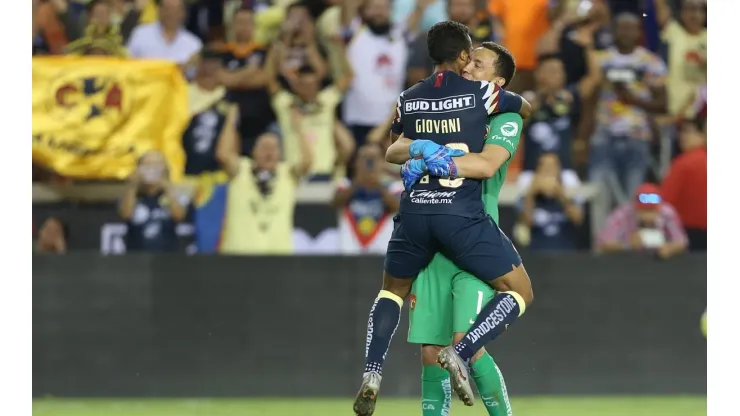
489, 381
469, 295
436, 390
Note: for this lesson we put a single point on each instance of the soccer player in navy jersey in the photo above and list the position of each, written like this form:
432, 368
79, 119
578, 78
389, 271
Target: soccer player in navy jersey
445, 118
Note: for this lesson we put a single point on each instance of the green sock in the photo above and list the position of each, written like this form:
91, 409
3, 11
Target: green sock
436, 391
491, 386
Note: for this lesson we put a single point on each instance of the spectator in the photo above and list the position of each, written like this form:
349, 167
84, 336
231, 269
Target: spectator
645, 223
318, 113
576, 33
53, 235
685, 184
52, 20
634, 88
106, 13
695, 105
420, 66
151, 207
437, 11
101, 36
555, 111
262, 195
579, 34
549, 211
100, 41
378, 56
366, 204
687, 51
210, 113
521, 25
99, 15
167, 38
40, 44
205, 19
329, 31
244, 77
298, 45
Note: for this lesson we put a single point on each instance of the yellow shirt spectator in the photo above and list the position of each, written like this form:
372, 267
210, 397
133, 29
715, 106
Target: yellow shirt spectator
687, 55
318, 125
259, 223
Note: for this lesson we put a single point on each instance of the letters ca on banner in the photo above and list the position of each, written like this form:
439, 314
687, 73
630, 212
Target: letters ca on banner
94, 117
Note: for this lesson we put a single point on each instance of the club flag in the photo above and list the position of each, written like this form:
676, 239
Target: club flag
93, 117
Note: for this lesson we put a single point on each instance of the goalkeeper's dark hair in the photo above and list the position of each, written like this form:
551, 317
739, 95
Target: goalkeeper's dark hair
505, 66
447, 40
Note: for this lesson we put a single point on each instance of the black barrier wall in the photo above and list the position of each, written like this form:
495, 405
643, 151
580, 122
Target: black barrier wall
144, 325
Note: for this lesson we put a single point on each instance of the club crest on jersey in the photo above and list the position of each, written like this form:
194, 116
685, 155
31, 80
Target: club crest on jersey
440, 105
509, 129
412, 301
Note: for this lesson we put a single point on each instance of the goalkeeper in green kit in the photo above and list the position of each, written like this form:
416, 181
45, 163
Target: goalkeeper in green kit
445, 300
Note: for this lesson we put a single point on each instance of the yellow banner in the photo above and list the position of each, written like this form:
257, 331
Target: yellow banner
94, 117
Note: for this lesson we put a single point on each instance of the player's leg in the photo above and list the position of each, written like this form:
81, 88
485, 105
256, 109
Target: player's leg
409, 251
436, 389
469, 296
494, 259
479, 247
430, 324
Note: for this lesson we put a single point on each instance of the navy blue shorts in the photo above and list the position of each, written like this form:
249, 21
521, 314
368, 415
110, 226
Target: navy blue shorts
476, 245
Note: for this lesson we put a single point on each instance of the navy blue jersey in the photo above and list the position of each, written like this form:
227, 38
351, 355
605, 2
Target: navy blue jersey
452, 111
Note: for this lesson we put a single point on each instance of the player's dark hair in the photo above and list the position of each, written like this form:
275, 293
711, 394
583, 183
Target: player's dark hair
505, 67
447, 40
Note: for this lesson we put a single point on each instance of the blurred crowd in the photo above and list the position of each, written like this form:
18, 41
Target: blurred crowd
289, 92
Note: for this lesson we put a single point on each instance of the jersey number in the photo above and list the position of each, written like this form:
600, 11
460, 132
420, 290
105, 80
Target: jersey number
450, 183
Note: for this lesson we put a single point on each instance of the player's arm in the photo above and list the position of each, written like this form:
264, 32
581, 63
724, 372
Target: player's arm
398, 151
513, 103
504, 132
497, 100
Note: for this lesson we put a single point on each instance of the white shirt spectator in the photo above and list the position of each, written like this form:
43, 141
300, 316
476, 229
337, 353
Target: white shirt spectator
379, 65
148, 42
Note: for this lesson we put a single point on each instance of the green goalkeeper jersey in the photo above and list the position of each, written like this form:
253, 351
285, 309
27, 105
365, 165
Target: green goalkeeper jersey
505, 130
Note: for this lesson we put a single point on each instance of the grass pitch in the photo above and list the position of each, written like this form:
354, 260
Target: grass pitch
523, 406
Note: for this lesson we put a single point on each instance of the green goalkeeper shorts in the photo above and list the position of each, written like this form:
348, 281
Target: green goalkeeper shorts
444, 300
